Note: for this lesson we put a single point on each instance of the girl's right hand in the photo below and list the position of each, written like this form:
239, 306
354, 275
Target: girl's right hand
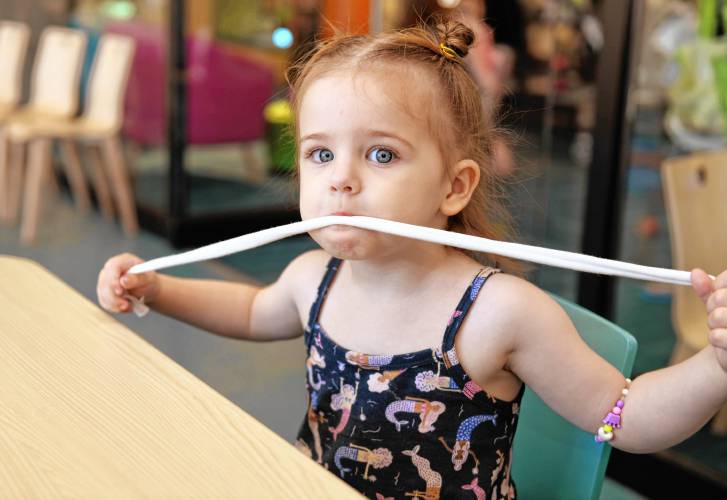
114, 284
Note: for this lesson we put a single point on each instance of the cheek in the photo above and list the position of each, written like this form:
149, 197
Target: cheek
311, 202
422, 199
306, 206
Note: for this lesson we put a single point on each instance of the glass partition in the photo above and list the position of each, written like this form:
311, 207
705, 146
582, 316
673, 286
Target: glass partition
677, 111
550, 109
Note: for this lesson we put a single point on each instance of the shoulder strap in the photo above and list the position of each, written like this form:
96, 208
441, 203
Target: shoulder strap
461, 312
315, 309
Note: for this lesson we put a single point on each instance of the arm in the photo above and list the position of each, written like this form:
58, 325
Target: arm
230, 309
663, 407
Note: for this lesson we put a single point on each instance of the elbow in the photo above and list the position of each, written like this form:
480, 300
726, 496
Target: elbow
636, 448
641, 445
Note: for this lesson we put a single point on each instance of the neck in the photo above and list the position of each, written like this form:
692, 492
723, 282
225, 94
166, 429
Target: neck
402, 272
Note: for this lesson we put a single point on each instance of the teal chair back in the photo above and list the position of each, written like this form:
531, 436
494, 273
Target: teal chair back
551, 457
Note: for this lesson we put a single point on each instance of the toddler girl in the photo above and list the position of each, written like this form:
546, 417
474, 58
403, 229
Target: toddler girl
417, 354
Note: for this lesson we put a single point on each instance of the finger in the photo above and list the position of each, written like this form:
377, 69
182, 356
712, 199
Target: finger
119, 264
108, 290
116, 305
721, 280
114, 268
718, 338
107, 303
702, 284
104, 291
131, 281
107, 280
718, 318
717, 299
110, 301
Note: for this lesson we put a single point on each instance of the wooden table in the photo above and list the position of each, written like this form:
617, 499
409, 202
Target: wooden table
88, 409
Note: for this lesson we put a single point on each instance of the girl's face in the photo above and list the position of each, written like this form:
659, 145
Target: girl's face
362, 153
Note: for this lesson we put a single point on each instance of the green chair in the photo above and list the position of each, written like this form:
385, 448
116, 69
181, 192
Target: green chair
551, 457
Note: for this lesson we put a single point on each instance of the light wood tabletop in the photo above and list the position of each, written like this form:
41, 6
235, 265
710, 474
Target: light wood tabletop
88, 409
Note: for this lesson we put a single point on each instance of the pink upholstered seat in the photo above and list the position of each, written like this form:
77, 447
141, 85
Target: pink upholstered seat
226, 92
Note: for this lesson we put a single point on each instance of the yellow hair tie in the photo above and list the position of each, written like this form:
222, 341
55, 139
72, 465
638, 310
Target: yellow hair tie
448, 52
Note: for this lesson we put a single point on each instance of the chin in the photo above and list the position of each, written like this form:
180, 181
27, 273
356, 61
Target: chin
345, 242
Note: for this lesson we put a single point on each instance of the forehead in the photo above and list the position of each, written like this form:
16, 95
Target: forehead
371, 98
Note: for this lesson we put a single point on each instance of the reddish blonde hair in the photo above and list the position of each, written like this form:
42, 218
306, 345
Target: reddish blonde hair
462, 128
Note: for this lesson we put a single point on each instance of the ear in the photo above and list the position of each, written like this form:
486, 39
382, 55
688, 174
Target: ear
462, 181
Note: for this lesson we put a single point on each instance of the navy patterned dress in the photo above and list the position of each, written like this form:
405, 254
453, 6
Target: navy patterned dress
408, 425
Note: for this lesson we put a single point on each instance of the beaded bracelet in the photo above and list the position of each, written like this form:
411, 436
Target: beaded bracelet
613, 419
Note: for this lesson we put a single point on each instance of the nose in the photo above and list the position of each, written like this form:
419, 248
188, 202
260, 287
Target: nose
344, 179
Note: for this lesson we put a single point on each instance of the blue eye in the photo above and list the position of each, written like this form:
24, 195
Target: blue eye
322, 155
381, 155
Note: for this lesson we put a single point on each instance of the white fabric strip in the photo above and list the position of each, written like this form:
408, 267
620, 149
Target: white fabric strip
539, 255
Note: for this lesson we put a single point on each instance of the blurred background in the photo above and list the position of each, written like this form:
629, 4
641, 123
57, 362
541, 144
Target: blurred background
156, 125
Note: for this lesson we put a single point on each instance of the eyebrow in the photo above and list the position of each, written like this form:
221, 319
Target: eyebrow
381, 133
318, 136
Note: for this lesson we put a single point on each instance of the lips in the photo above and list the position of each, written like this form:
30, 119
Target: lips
343, 214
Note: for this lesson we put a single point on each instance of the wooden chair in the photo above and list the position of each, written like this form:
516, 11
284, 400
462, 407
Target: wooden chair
53, 94
99, 128
13, 48
552, 458
695, 190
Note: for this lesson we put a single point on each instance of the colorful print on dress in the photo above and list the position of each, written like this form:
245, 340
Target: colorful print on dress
476, 285
474, 487
461, 449
315, 359
406, 425
432, 478
366, 361
455, 315
428, 411
343, 402
378, 459
379, 382
428, 381
314, 419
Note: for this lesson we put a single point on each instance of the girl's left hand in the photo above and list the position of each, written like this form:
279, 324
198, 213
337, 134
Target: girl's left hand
714, 296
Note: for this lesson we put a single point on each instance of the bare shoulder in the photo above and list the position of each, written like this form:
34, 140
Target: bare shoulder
500, 321
510, 319
303, 275
518, 306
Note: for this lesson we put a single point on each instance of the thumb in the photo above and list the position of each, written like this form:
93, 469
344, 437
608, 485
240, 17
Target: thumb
702, 284
131, 281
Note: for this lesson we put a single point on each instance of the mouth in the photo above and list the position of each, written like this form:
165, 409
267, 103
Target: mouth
341, 227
